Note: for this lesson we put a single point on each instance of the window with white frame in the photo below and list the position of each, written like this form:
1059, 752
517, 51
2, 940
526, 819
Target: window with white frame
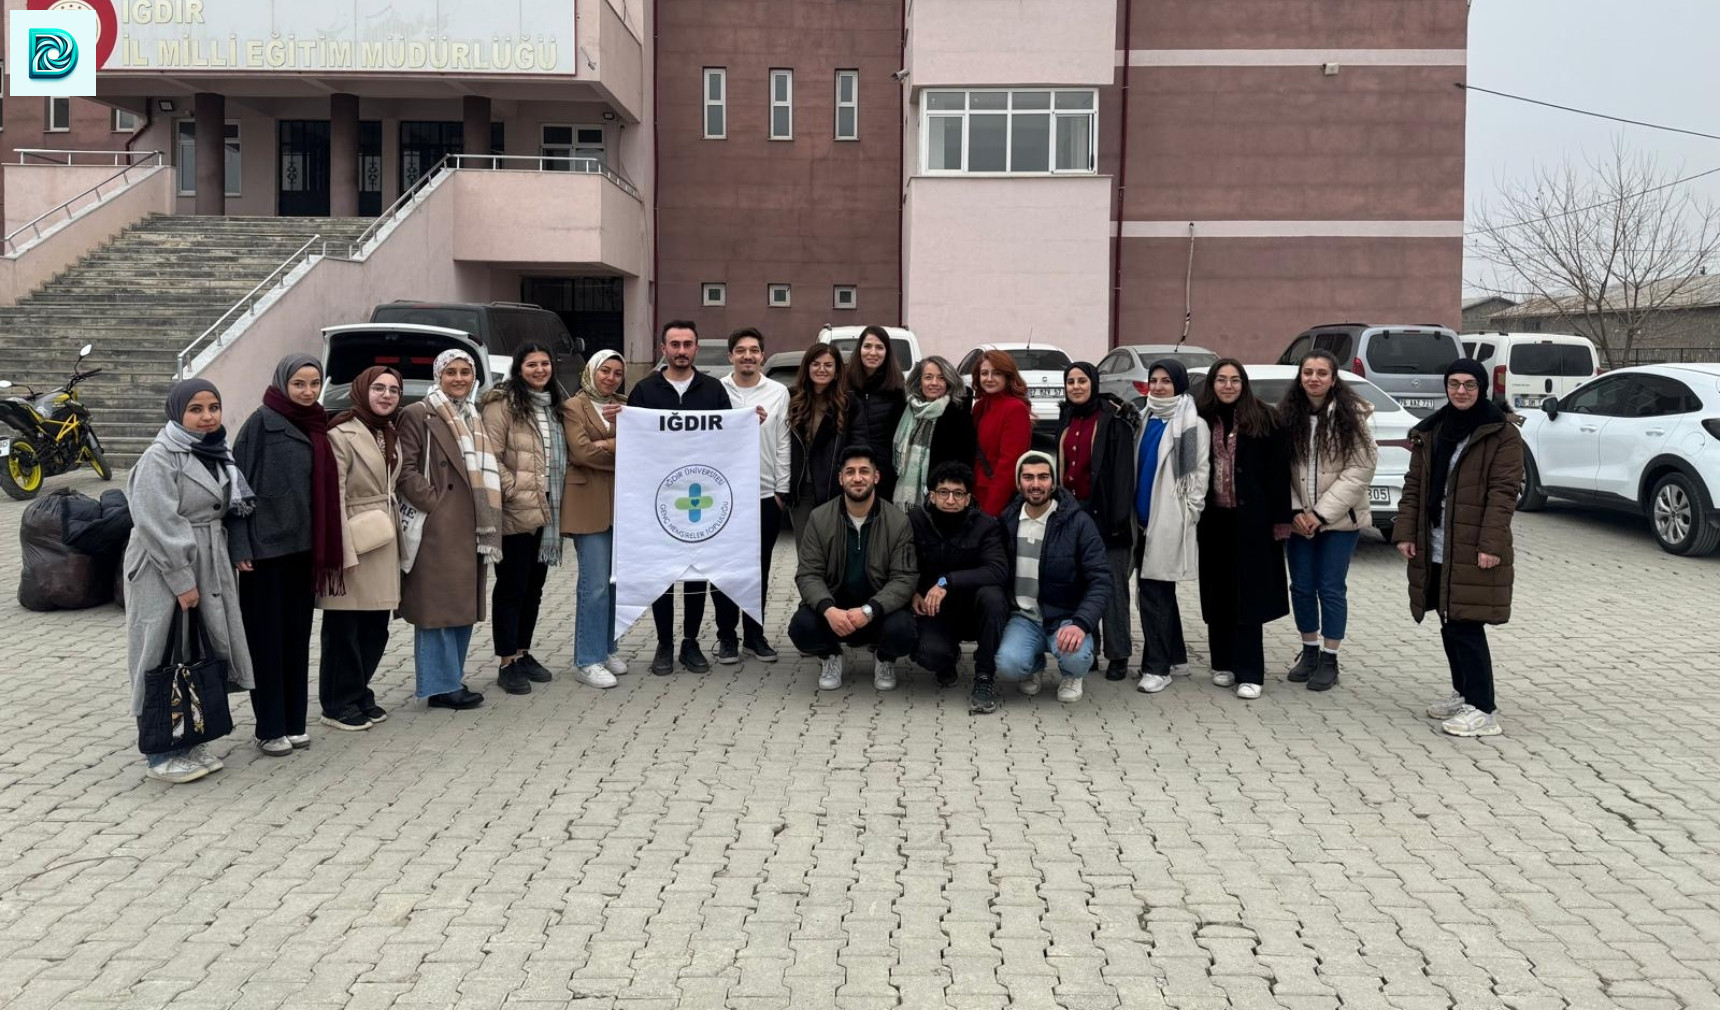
845, 296
185, 134
847, 105
782, 105
584, 144
777, 296
1026, 131
58, 115
716, 103
713, 295
125, 121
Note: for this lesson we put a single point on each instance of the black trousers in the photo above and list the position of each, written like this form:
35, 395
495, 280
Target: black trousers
894, 634
352, 645
276, 599
1466, 652
728, 613
974, 616
1240, 647
663, 612
517, 594
1161, 627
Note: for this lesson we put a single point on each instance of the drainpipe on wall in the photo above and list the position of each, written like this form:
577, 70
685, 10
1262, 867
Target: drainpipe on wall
656, 179
902, 174
1122, 186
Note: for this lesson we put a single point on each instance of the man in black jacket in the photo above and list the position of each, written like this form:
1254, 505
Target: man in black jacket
679, 386
1062, 581
963, 570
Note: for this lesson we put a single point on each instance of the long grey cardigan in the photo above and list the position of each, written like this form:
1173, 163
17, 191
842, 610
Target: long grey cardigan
179, 542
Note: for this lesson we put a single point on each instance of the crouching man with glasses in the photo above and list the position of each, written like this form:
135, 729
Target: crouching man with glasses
964, 567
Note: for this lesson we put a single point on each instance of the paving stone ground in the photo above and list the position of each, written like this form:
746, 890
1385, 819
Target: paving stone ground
741, 840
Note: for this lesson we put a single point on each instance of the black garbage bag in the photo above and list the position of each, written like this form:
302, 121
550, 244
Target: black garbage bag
56, 575
104, 532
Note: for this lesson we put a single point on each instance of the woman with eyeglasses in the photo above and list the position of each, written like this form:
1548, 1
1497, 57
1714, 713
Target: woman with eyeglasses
1454, 529
1332, 460
355, 624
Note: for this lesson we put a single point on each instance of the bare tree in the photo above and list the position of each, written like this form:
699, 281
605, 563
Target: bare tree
1603, 248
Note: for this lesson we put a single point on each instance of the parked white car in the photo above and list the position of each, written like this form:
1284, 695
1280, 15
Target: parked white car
1390, 423
1041, 366
1644, 439
1529, 367
408, 348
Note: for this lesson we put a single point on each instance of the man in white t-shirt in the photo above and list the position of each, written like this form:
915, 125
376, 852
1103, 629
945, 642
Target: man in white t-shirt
748, 387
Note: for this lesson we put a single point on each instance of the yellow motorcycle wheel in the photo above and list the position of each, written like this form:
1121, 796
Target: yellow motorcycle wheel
21, 474
93, 455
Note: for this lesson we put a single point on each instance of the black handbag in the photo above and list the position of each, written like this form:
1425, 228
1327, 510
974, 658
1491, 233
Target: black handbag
185, 698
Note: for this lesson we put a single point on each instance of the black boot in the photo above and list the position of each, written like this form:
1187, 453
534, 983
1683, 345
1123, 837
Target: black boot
693, 658
663, 663
1304, 667
513, 680
983, 700
1325, 672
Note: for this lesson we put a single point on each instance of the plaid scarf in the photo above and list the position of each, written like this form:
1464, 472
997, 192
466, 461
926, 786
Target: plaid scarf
481, 472
555, 469
914, 448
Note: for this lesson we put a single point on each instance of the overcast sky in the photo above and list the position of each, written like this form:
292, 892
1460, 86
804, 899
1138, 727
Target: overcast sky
1653, 60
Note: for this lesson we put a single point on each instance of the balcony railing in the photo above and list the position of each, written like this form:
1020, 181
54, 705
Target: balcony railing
530, 163
30, 155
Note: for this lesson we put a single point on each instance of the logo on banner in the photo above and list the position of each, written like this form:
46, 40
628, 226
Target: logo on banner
694, 503
53, 53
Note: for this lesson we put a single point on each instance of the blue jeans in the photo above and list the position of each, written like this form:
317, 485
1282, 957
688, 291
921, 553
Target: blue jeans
439, 658
594, 616
1021, 653
1319, 569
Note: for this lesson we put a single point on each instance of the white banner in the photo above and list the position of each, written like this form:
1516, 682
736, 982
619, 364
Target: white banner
686, 507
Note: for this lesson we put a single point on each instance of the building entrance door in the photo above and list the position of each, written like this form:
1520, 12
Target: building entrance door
369, 168
304, 168
590, 306
423, 143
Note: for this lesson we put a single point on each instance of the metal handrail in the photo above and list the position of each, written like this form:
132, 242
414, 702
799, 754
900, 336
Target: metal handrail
35, 226
536, 163
398, 207
48, 154
246, 303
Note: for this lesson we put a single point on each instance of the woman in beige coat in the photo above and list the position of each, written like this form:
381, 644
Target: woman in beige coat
447, 471
355, 624
588, 515
522, 417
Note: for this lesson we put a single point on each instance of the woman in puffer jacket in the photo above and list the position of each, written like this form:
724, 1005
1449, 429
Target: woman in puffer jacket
1332, 460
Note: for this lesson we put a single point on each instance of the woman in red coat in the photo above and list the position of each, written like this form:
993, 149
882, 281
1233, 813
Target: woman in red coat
1004, 423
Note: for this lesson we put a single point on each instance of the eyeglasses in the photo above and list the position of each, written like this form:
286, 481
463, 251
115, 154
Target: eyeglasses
1463, 387
949, 494
1225, 380
385, 390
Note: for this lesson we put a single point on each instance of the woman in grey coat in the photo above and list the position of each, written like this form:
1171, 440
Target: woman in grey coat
182, 491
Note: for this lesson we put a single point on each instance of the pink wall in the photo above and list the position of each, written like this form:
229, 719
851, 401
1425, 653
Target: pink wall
22, 273
985, 42
500, 218
997, 259
36, 188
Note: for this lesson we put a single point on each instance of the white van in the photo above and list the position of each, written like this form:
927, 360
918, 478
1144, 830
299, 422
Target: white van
1529, 367
846, 339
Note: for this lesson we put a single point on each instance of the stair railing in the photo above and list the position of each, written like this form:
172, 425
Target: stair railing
399, 208
247, 304
9, 246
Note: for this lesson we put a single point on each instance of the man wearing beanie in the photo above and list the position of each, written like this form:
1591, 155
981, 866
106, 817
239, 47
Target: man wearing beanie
1061, 585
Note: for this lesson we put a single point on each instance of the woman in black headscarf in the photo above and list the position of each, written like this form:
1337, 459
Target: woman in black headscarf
1095, 456
1454, 529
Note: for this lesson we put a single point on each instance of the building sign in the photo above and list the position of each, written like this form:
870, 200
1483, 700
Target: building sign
530, 37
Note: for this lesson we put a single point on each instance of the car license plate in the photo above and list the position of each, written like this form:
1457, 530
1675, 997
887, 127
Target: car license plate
1045, 393
1527, 400
1417, 403
1379, 496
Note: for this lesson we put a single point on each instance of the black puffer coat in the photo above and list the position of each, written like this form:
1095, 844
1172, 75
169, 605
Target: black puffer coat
970, 556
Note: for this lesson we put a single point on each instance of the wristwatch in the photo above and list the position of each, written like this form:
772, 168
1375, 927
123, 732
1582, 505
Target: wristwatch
867, 610
943, 582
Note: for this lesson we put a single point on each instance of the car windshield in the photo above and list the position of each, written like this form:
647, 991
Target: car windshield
454, 317
1040, 359
1273, 390
1395, 352
1561, 360
904, 353
1188, 359
712, 354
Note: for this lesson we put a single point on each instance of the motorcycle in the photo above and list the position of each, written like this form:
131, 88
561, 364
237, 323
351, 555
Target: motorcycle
54, 436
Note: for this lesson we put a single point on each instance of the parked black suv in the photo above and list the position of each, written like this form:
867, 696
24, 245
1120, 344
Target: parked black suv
500, 327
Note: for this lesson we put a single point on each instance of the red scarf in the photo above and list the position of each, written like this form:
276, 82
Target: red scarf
328, 514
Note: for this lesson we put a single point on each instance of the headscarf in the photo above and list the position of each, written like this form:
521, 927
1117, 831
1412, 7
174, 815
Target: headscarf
241, 500
482, 474
588, 379
380, 426
328, 512
1180, 418
1092, 405
450, 355
1455, 427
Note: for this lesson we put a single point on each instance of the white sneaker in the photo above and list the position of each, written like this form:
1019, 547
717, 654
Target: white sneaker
1153, 683
1446, 707
1248, 692
1223, 678
278, 747
1069, 690
830, 674
595, 675
1471, 721
178, 769
615, 665
201, 755
884, 674
1179, 669
299, 740
1030, 686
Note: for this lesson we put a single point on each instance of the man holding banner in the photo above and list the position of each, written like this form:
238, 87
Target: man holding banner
652, 548
747, 386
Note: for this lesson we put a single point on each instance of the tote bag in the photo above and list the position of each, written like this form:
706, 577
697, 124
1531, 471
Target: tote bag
185, 698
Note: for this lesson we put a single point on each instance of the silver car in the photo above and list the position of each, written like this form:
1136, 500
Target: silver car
1123, 372
1408, 362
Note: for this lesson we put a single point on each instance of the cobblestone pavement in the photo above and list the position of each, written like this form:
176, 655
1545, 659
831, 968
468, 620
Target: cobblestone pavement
742, 840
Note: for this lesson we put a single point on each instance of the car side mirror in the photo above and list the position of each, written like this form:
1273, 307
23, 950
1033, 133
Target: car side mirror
1551, 406
84, 352
5, 383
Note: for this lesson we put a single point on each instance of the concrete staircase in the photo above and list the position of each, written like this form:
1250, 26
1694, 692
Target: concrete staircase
140, 299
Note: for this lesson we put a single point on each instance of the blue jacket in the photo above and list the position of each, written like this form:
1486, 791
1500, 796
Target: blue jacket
1074, 575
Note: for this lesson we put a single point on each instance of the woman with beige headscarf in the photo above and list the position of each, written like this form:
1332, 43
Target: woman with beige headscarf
588, 514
